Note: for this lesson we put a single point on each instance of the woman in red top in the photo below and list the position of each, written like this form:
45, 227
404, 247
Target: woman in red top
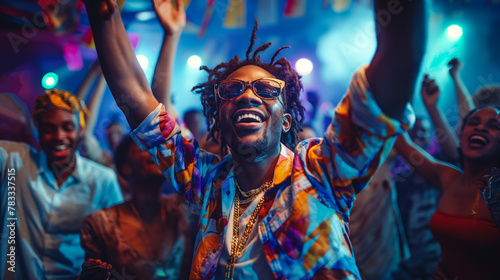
463, 224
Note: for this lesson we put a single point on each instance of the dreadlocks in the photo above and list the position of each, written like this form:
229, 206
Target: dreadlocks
281, 69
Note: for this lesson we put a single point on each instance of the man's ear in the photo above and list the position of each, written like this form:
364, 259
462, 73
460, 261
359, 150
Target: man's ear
287, 122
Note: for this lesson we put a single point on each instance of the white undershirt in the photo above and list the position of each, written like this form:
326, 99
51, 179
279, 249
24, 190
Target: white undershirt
252, 263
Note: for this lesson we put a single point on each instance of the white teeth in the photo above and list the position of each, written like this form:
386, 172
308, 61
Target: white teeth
59, 147
478, 138
250, 116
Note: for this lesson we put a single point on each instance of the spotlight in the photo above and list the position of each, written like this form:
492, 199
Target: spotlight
454, 32
194, 61
145, 15
49, 80
304, 66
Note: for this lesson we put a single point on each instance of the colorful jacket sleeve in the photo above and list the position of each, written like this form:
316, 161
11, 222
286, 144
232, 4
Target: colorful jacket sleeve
182, 162
355, 144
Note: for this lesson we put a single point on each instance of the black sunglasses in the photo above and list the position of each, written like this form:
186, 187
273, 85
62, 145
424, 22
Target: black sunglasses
265, 88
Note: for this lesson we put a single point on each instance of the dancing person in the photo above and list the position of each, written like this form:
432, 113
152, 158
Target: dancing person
417, 200
462, 223
376, 228
53, 192
151, 230
294, 206
146, 237
488, 94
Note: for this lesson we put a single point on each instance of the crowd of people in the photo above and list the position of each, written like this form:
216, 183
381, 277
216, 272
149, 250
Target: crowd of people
247, 188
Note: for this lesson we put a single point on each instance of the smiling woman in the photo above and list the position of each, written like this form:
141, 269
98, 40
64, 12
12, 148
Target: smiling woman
481, 127
463, 224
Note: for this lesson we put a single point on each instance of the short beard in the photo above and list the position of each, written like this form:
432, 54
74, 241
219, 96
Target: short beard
252, 152
256, 151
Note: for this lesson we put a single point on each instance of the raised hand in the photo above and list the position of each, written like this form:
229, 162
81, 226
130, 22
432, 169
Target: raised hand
455, 67
172, 19
95, 269
430, 92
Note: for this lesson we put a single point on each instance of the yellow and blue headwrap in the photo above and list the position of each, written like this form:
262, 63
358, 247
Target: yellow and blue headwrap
60, 99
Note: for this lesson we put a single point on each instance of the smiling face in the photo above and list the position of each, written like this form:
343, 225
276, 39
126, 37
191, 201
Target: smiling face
59, 133
250, 125
481, 135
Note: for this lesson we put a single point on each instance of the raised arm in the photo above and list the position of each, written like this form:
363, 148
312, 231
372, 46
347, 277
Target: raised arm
84, 88
446, 136
89, 144
173, 20
431, 169
119, 65
401, 39
95, 103
464, 99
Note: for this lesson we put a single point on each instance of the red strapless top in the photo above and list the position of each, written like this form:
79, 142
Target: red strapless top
470, 248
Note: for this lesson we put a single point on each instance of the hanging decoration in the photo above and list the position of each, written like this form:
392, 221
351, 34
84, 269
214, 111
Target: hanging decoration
295, 8
206, 18
61, 16
235, 14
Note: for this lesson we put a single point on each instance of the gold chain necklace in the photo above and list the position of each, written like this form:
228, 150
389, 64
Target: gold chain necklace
254, 192
236, 245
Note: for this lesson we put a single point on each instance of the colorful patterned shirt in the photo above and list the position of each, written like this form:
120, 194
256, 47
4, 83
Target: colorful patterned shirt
303, 223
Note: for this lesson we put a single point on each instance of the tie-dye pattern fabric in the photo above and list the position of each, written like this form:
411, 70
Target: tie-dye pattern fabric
303, 224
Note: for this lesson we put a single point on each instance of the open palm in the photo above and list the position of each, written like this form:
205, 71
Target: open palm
172, 19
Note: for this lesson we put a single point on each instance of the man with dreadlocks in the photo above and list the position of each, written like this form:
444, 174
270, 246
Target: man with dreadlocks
267, 212
46, 195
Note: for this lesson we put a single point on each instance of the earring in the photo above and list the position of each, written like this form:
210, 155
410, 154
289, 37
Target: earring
286, 127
